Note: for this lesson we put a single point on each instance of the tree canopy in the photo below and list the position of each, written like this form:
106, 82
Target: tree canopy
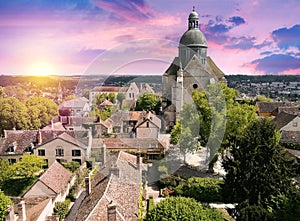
148, 102
258, 172
29, 165
41, 110
4, 203
183, 209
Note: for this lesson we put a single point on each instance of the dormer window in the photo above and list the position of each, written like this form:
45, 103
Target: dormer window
11, 149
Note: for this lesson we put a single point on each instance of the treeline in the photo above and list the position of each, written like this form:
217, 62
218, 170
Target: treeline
263, 78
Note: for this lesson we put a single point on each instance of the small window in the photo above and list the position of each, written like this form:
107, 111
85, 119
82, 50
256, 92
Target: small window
10, 149
148, 124
41, 152
59, 152
12, 161
195, 86
295, 124
76, 153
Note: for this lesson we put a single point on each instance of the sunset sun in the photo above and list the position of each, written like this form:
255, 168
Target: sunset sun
42, 69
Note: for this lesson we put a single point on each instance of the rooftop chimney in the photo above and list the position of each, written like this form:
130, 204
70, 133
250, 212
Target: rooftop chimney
88, 184
138, 158
104, 155
111, 211
114, 170
39, 137
22, 211
5, 133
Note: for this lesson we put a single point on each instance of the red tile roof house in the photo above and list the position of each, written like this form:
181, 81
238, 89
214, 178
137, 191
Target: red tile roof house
38, 202
114, 192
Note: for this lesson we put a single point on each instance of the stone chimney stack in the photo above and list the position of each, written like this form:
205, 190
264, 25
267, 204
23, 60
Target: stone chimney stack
22, 211
104, 155
111, 212
39, 138
115, 170
88, 188
5, 133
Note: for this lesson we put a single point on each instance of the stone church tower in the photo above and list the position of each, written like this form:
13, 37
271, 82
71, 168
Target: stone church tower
191, 70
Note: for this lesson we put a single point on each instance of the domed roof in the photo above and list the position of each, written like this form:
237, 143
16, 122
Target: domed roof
193, 37
193, 15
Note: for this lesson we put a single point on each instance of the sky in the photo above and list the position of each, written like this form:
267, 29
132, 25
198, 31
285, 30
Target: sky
68, 37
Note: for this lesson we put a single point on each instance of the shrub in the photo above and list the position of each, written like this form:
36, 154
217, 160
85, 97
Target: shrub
61, 209
183, 209
201, 189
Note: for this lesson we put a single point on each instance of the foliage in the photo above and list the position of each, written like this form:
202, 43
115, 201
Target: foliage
105, 113
175, 133
2, 92
183, 209
4, 203
99, 98
61, 209
257, 170
111, 97
253, 213
262, 98
120, 98
148, 102
290, 211
41, 110
13, 114
72, 165
17, 186
6, 172
150, 203
86, 93
201, 189
29, 166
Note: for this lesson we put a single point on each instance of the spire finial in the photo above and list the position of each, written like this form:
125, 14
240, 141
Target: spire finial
193, 8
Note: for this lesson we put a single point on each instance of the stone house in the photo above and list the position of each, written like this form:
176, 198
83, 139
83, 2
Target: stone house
63, 148
114, 192
76, 107
15, 143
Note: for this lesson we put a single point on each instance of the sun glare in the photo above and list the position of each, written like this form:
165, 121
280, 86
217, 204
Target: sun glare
42, 69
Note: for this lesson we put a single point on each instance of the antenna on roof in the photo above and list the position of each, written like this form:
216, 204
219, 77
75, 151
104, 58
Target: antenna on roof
193, 8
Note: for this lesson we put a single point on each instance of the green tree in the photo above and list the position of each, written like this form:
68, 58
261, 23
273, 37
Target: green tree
86, 93
111, 97
2, 92
61, 209
99, 98
201, 189
148, 102
6, 172
29, 165
13, 114
41, 110
257, 170
120, 98
183, 209
4, 203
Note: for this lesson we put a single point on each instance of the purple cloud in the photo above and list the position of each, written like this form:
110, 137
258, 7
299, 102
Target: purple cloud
245, 43
131, 10
237, 20
287, 37
277, 63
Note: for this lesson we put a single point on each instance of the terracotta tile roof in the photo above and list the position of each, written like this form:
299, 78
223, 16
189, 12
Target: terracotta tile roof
56, 177
123, 190
133, 143
79, 102
106, 103
290, 137
283, 119
107, 89
54, 126
80, 135
149, 116
290, 110
35, 211
269, 107
21, 140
